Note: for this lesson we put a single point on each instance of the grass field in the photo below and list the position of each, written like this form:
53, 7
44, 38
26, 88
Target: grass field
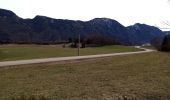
149, 47
15, 52
131, 77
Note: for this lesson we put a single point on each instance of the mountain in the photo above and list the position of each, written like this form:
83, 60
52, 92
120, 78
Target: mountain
42, 29
145, 33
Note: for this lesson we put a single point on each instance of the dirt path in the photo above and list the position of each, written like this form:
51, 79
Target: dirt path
45, 60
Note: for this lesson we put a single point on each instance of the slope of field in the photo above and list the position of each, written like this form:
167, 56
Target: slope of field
131, 77
18, 52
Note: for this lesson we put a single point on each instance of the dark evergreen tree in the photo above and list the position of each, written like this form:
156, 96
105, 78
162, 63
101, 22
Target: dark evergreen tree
157, 42
166, 43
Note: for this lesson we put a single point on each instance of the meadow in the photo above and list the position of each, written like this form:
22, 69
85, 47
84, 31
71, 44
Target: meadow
17, 52
131, 77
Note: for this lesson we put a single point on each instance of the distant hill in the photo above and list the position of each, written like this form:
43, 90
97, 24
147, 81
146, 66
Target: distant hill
166, 32
145, 33
42, 29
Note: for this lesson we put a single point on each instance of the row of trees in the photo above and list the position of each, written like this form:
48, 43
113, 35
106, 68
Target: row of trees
96, 40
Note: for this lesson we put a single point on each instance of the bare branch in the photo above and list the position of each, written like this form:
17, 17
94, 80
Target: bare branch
167, 23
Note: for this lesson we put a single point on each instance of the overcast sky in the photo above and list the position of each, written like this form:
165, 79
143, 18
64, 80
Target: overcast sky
127, 12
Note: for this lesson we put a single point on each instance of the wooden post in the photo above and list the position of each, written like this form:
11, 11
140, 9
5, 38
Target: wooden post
79, 44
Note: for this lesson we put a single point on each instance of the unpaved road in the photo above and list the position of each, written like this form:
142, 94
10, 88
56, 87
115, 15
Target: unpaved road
45, 60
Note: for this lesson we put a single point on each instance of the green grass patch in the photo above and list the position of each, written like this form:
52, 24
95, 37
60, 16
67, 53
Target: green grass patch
16, 52
131, 77
149, 47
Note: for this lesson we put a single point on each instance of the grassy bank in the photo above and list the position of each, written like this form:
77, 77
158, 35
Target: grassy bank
16, 52
131, 77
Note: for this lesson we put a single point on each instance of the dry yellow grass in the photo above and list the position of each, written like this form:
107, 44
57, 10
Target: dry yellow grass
132, 77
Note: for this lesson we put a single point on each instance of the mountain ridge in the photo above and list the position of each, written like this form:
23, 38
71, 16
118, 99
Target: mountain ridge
43, 29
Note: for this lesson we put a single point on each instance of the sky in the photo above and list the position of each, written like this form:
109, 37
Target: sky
127, 12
